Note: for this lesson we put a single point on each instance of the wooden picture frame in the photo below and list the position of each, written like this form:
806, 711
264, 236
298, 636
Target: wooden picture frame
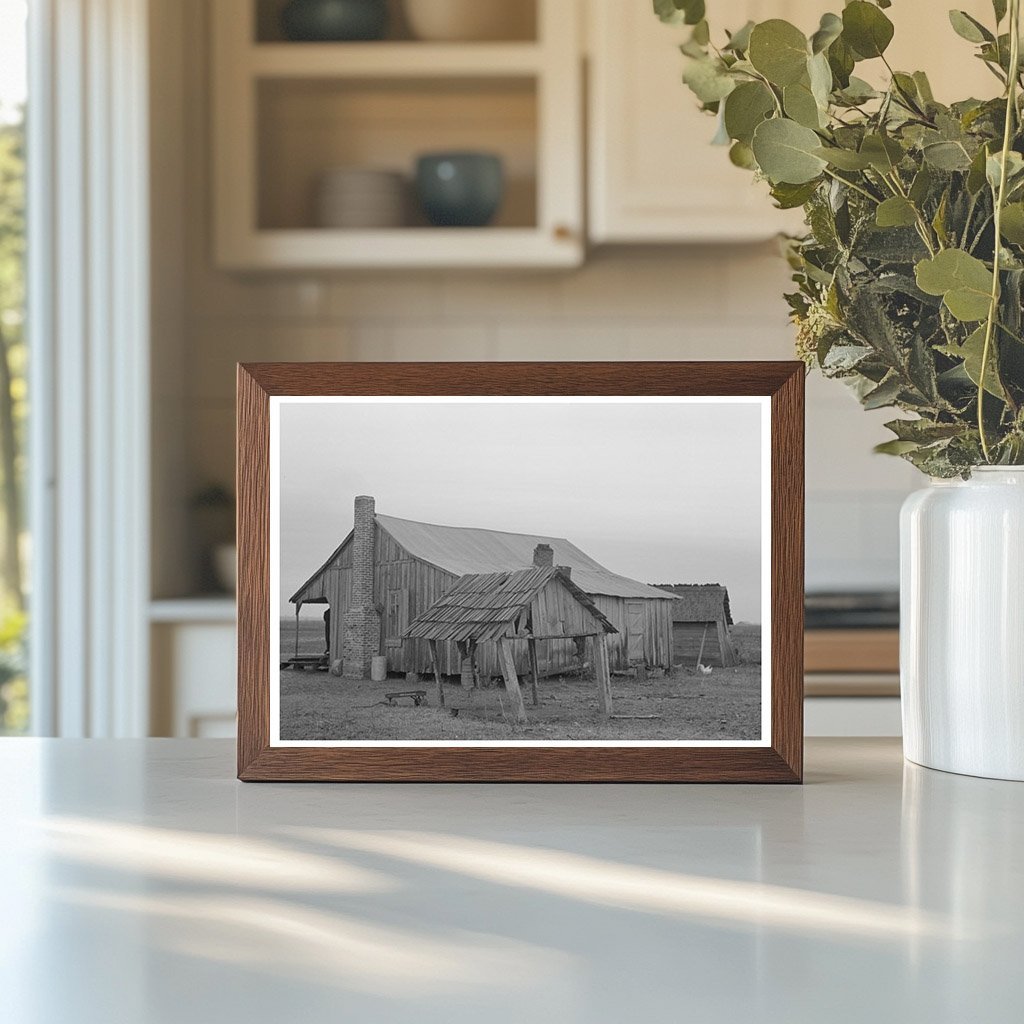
779, 759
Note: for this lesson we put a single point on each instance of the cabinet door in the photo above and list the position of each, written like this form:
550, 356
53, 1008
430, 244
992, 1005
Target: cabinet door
654, 176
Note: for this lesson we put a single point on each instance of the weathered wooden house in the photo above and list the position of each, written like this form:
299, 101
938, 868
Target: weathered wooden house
701, 618
387, 572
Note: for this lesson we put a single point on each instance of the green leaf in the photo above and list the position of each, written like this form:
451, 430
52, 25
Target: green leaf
971, 352
841, 60
820, 76
676, 12
939, 220
739, 41
779, 51
1014, 169
1012, 226
866, 29
800, 105
708, 80
921, 185
924, 87
923, 431
830, 29
883, 153
969, 28
947, 156
896, 212
789, 197
976, 173
963, 281
896, 447
844, 159
887, 393
746, 107
741, 155
785, 152
858, 91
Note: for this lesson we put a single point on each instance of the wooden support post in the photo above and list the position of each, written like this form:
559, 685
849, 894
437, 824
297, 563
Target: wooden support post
436, 658
508, 670
467, 670
534, 669
703, 639
725, 645
603, 675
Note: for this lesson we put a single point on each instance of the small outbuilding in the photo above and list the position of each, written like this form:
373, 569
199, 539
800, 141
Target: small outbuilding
518, 612
700, 625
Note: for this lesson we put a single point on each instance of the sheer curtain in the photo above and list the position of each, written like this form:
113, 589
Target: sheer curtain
88, 300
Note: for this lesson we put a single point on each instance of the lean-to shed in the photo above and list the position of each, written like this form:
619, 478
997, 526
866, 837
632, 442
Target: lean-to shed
525, 614
700, 624
388, 571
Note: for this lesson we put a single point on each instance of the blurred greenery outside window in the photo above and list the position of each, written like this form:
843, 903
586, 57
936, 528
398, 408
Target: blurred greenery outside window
14, 548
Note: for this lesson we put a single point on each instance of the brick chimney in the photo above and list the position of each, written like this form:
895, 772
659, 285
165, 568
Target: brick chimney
360, 639
543, 556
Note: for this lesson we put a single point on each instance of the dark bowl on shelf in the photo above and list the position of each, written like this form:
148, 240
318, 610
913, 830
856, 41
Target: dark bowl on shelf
334, 21
461, 190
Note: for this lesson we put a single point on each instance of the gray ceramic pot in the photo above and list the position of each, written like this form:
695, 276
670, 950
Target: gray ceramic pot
460, 189
334, 20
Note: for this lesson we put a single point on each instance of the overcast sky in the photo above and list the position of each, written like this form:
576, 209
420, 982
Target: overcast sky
662, 493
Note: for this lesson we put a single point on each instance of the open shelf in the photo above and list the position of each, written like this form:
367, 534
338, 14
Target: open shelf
520, 17
308, 127
288, 113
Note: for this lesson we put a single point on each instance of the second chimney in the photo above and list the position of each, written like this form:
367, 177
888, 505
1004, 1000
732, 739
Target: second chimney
543, 556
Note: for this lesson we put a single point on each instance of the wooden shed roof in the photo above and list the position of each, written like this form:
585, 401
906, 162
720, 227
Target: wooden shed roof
699, 602
487, 606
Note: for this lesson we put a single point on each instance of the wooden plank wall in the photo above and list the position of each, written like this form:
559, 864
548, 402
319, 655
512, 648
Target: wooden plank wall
657, 619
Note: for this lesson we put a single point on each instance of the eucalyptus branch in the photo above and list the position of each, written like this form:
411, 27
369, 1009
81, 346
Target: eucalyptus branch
850, 184
1000, 200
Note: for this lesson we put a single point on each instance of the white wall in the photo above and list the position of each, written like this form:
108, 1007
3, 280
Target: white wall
666, 303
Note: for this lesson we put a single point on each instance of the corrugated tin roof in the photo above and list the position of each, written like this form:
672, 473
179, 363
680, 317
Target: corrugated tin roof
484, 607
463, 550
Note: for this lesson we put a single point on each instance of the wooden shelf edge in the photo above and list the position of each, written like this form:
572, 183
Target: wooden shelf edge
392, 60
409, 248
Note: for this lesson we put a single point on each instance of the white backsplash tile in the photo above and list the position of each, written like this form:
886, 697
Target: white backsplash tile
716, 303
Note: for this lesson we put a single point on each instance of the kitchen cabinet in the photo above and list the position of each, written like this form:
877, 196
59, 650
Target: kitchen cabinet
653, 175
287, 113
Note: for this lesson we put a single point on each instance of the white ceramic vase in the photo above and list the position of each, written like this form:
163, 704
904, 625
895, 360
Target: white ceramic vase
962, 624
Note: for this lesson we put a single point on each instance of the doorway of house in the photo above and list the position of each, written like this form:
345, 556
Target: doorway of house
635, 631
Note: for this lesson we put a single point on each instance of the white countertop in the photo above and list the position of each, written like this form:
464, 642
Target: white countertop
143, 885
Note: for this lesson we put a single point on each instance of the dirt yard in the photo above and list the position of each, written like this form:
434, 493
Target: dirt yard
725, 705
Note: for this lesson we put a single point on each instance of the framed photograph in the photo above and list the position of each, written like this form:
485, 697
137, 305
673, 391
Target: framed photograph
520, 572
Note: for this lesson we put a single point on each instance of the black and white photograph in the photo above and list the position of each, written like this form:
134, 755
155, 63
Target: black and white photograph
519, 571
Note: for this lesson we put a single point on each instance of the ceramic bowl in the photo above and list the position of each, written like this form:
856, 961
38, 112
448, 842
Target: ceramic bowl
460, 189
358, 197
334, 20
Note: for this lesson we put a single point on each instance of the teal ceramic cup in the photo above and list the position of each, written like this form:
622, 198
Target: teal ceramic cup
460, 189
332, 21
